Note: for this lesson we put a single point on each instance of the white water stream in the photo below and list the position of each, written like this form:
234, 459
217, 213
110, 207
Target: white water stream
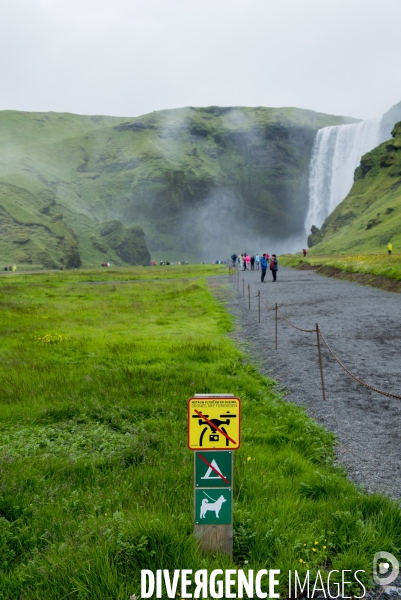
336, 153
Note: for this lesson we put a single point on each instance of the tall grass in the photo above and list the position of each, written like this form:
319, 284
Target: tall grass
96, 478
384, 264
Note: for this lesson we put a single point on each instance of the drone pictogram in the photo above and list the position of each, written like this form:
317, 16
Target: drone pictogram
216, 426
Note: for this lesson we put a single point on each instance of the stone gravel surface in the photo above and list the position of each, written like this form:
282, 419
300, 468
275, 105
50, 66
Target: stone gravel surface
363, 327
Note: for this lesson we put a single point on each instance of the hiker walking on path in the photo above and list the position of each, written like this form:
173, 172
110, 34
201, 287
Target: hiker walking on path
263, 266
274, 266
257, 261
389, 247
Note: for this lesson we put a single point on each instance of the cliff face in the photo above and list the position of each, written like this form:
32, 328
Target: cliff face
370, 216
197, 182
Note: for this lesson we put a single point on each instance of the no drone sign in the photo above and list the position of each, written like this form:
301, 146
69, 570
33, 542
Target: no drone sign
214, 422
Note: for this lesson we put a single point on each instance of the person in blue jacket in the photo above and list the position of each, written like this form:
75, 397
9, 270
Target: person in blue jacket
263, 266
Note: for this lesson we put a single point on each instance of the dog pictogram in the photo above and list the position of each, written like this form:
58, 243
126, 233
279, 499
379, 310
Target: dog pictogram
214, 506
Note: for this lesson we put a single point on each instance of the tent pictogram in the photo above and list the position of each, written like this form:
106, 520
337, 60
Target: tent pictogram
213, 469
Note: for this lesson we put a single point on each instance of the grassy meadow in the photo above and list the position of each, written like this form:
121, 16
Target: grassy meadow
96, 479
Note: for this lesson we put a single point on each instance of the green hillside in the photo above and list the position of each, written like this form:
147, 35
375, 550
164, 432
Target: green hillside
87, 189
370, 216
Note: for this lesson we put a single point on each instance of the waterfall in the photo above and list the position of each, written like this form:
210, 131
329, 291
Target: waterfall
336, 153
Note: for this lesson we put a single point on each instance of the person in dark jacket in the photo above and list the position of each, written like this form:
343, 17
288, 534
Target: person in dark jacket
263, 266
274, 266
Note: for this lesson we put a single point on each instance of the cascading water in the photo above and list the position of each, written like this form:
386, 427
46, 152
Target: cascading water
336, 153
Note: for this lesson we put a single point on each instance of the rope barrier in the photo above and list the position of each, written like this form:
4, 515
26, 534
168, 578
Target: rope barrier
294, 326
320, 334
366, 385
268, 307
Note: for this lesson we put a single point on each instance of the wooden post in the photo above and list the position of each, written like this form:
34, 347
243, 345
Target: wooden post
215, 538
276, 326
320, 361
259, 305
243, 287
249, 297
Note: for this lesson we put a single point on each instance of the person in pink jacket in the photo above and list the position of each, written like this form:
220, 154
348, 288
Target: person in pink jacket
247, 261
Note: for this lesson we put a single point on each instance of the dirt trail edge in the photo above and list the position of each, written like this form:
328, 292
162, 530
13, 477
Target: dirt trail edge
363, 327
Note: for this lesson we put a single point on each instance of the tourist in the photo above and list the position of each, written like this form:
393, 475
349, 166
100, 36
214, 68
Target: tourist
389, 247
274, 266
263, 266
252, 262
304, 251
247, 261
257, 261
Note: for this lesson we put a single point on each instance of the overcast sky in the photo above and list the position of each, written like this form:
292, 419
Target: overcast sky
130, 57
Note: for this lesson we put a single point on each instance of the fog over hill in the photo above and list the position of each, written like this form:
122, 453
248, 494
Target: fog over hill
196, 184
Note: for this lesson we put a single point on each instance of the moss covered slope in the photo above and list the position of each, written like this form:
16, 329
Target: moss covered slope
187, 177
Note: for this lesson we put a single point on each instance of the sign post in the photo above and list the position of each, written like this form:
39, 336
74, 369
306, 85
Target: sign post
213, 434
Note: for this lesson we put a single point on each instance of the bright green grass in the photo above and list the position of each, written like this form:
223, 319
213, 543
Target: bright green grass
120, 274
96, 478
374, 264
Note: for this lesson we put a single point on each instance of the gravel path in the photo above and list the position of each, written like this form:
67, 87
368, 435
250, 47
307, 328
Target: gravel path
363, 327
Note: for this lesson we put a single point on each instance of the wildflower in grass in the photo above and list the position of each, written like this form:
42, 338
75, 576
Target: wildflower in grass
316, 543
249, 458
324, 547
300, 560
51, 338
313, 549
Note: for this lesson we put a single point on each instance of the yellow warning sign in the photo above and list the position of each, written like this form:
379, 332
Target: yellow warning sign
214, 423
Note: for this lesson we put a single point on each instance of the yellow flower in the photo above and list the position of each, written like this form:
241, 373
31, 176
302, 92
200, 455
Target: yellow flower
304, 544
316, 543
324, 547
313, 549
300, 560
249, 458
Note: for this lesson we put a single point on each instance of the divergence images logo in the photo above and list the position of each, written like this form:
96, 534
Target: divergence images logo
388, 568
